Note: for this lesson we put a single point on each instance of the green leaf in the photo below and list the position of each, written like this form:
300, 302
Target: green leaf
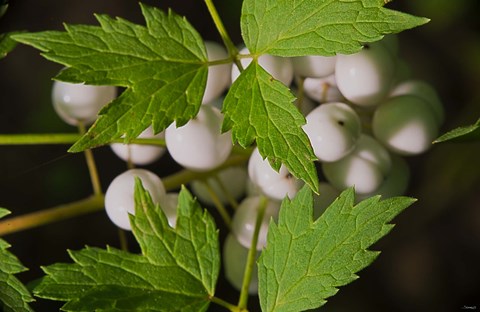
163, 67
305, 261
258, 107
318, 27
177, 270
7, 44
469, 133
14, 296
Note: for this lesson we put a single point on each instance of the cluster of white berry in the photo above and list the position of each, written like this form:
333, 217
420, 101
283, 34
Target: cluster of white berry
363, 113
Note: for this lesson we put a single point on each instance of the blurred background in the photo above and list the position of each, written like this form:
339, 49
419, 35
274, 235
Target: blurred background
429, 262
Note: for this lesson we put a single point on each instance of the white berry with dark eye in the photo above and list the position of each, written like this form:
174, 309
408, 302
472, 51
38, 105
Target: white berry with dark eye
76, 103
218, 75
119, 197
322, 90
365, 168
276, 185
333, 129
405, 124
365, 78
243, 222
140, 154
199, 144
280, 68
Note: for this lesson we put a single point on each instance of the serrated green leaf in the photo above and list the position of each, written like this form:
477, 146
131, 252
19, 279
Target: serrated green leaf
7, 44
177, 270
318, 27
469, 133
305, 261
14, 296
163, 66
258, 107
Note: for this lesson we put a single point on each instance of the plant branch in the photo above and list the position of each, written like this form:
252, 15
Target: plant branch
92, 167
218, 204
46, 216
252, 255
227, 305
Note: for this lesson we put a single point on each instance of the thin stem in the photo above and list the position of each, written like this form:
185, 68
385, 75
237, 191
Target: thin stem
62, 138
252, 255
92, 167
232, 49
61, 212
122, 236
227, 305
218, 204
231, 200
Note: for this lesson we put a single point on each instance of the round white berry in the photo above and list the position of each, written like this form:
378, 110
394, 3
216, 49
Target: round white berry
365, 78
395, 183
199, 144
119, 197
323, 90
424, 91
280, 68
218, 75
333, 129
365, 167
169, 206
140, 154
314, 66
75, 102
273, 184
233, 181
234, 262
243, 222
405, 124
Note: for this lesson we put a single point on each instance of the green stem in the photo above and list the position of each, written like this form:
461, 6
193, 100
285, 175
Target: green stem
227, 305
218, 204
122, 236
62, 138
61, 212
92, 167
232, 49
231, 200
252, 255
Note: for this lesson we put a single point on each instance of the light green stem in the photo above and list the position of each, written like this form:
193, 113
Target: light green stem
61, 212
228, 195
227, 305
62, 138
252, 255
232, 49
218, 204
92, 167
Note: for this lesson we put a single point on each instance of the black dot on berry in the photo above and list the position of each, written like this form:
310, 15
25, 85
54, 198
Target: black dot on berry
366, 46
341, 123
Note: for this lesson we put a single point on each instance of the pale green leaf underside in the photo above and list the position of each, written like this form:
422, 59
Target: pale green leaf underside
14, 296
318, 27
470, 133
258, 107
177, 270
163, 66
305, 261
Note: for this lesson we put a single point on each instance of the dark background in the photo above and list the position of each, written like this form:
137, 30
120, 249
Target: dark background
430, 262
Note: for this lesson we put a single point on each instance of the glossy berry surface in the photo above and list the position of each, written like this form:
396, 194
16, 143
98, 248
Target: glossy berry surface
218, 75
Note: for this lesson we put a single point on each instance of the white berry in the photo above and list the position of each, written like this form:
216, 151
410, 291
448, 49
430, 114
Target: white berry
119, 197
243, 222
280, 68
218, 75
365, 167
199, 144
365, 78
232, 179
76, 103
323, 90
140, 154
405, 124
273, 184
314, 66
333, 129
